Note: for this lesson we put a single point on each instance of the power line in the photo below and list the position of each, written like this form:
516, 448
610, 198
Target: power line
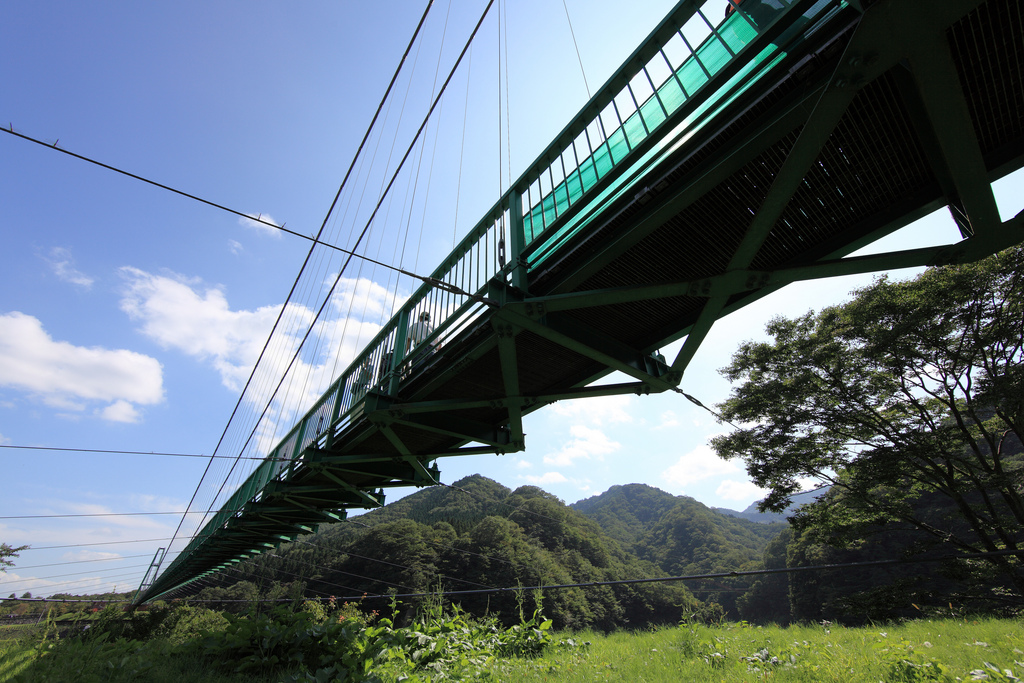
374, 559
134, 573
58, 576
688, 577
113, 452
83, 545
302, 269
61, 564
60, 600
695, 577
95, 514
258, 219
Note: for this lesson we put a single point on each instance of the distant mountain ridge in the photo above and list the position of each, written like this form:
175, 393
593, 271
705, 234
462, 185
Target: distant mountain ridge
754, 515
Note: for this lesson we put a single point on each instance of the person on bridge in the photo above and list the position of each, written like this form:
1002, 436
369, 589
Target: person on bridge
761, 12
418, 332
363, 379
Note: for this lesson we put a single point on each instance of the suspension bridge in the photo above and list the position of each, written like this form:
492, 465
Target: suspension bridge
698, 179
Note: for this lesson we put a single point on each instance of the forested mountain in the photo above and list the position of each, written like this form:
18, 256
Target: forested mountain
478, 534
683, 537
626, 512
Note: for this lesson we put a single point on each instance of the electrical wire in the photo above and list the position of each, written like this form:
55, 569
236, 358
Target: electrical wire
690, 577
89, 579
113, 452
95, 514
61, 564
392, 564
84, 545
258, 219
58, 576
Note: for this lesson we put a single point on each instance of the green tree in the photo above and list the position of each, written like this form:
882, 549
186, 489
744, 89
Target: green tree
912, 388
767, 600
7, 553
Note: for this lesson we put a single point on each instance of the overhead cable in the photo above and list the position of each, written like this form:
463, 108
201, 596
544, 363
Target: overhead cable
95, 514
113, 452
83, 545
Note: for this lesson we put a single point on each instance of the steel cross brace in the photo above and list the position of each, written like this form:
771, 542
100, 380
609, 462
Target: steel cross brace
871, 53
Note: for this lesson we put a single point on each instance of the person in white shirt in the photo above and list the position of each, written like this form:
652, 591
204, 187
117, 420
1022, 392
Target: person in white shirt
418, 332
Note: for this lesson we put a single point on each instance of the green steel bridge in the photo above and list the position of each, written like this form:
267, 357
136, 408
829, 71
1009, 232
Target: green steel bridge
698, 179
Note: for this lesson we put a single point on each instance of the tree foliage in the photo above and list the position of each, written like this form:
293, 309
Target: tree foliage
911, 389
7, 553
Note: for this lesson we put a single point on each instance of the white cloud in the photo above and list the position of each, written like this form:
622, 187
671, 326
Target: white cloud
699, 464
261, 227
520, 463
71, 377
63, 265
587, 442
120, 411
175, 315
746, 491
669, 419
364, 299
184, 314
88, 556
235, 247
546, 478
599, 411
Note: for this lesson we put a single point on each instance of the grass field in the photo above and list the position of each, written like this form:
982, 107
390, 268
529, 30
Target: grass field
939, 650
916, 651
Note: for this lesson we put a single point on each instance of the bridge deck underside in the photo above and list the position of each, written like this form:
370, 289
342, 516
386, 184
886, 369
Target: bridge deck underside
872, 175
690, 217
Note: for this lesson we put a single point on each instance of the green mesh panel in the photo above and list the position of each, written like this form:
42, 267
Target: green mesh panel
692, 75
602, 160
671, 95
575, 186
709, 59
635, 132
737, 32
549, 209
561, 198
588, 174
652, 112
713, 55
528, 228
619, 147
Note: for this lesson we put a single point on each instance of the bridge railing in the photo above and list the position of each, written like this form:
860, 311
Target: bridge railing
688, 67
676, 73
681, 86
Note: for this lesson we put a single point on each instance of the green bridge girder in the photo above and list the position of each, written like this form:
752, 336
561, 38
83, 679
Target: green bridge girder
778, 146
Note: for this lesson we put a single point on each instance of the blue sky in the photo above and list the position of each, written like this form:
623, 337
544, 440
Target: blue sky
131, 317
